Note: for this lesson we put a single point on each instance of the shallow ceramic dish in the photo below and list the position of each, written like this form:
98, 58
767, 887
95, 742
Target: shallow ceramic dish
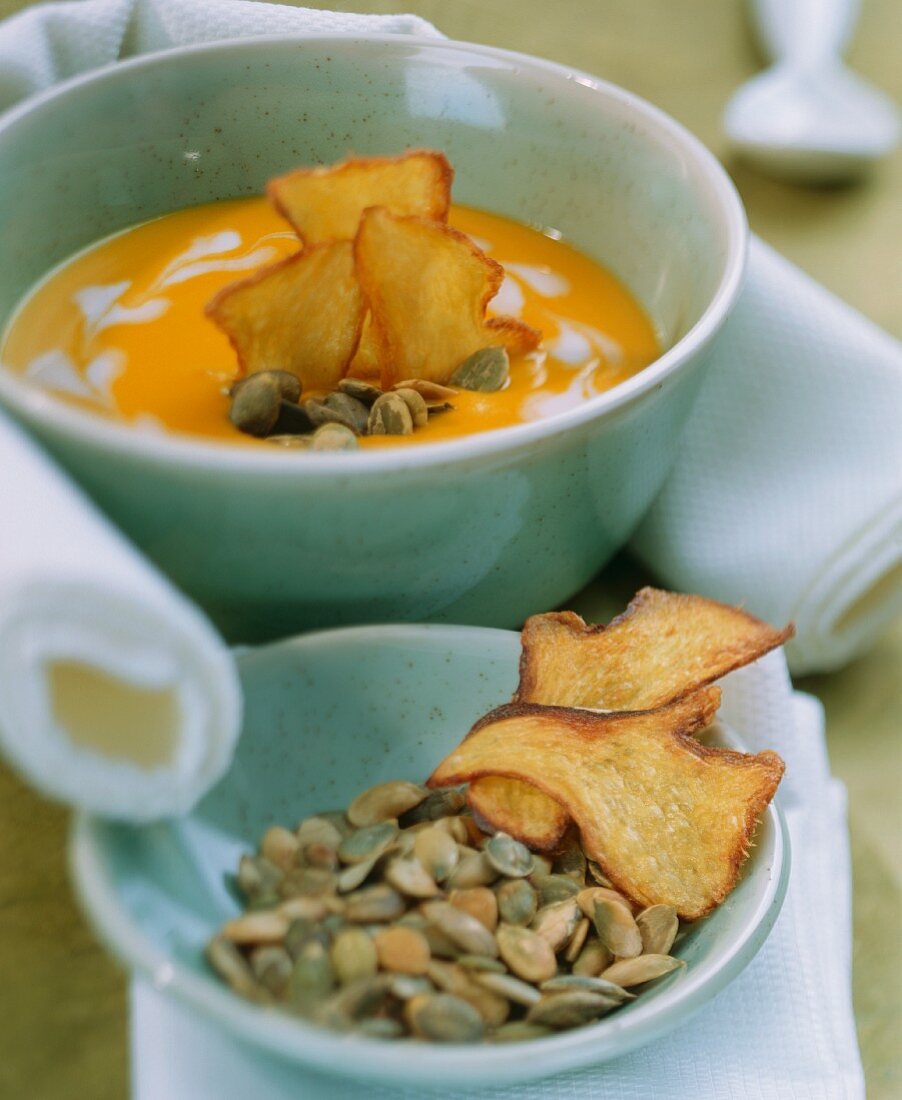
486, 529
328, 715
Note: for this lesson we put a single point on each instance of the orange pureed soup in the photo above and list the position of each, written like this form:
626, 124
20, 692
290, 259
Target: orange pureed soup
120, 328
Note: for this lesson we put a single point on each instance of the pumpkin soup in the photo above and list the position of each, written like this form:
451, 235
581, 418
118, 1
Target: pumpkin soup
121, 328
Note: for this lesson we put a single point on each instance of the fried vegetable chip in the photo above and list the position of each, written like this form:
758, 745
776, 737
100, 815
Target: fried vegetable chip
302, 315
520, 809
668, 820
428, 287
664, 646
327, 203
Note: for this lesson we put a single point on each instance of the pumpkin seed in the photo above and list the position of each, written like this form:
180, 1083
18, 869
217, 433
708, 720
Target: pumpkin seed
519, 1031
436, 850
380, 1027
469, 934
384, 802
438, 804
374, 903
541, 866
616, 928
526, 953
571, 861
300, 932
362, 996
402, 950
319, 830
517, 903
367, 843
443, 1018
577, 940
479, 902
481, 962
410, 877
586, 899
566, 1010
644, 968
349, 411
508, 856
359, 390
268, 926
486, 370
506, 985
311, 978
311, 909
473, 869
563, 983
390, 416
353, 955
556, 923
272, 968
230, 964
593, 958
405, 986
257, 877
429, 391
355, 875
292, 421
320, 855
333, 437
307, 882
291, 442
595, 872
553, 888
658, 926
433, 408
419, 413
289, 384
256, 404
492, 1007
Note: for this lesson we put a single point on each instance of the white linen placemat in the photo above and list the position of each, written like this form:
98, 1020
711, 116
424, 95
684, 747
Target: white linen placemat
783, 1030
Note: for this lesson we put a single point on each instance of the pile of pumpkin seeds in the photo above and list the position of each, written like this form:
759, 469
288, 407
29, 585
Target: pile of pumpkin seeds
268, 405
401, 918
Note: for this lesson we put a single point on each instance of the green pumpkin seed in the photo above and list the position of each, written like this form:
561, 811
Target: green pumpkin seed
361, 997
437, 851
411, 878
519, 1031
353, 955
566, 1010
658, 926
319, 830
380, 1027
333, 437
644, 968
506, 985
577, 941
481, 962
527, 954
257, 877
360, 390
355, 875
272, 967
438, 804
508, 856
616, 928
593, 958
367, 843
385, 802
311, 978
289, 384
554, 888
292, 421
349, 411
390, 416
469, 934
429, 391
374, 904
563, 983
517, 902
267, 926
307, 882
486, 370
443, 1018
473, 869
255, 404
419, 413
225, 958
556, 923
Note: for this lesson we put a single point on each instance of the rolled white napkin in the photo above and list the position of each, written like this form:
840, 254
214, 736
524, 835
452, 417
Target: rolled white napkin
787, 492
783, 1030
117, 694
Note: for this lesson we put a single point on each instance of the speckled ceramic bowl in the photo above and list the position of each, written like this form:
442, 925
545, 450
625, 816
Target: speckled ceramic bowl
328, 715
485, 529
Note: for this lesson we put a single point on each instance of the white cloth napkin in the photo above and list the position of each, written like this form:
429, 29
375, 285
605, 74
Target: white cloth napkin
787, 493
783, 1030
75, 595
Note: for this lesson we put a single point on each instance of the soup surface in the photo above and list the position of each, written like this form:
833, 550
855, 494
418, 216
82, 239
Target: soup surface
120, 328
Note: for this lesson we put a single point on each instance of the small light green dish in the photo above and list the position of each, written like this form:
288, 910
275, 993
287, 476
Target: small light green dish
327, 715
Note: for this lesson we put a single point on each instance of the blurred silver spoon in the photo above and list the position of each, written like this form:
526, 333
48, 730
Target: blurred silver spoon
808, 117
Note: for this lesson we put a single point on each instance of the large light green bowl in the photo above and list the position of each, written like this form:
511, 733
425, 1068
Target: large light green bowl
487, 529
328, 715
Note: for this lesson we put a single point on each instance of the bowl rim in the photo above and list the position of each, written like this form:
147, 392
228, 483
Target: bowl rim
383, 1062
188, 452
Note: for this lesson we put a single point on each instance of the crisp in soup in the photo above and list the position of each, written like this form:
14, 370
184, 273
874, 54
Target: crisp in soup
121, 329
